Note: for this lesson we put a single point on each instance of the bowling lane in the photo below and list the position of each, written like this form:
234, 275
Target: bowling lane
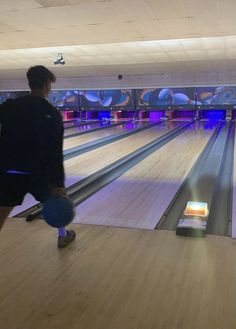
88, 163
79, 121
139, 198
86, 126
82, 139
90, 126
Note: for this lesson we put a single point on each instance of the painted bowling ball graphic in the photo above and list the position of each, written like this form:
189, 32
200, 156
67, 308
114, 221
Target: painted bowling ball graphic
107, 97
217, 96
115, 97
144, 97
165, 96
180, 99
165, 93
62, 98
3, 98
155, 99
223, 97
152, 97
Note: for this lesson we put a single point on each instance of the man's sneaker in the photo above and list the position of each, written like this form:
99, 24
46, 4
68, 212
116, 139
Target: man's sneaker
63, 241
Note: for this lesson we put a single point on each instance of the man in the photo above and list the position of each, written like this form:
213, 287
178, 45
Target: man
31, 139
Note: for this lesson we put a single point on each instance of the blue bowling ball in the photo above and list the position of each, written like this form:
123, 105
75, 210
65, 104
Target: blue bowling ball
58, 211
164, 93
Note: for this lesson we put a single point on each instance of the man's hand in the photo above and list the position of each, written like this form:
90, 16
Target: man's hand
58, 191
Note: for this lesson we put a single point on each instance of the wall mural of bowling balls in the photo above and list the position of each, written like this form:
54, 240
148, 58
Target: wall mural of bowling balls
64, 98
153, 97
183, 96
216, 95
106, 98
166, 97
11, 94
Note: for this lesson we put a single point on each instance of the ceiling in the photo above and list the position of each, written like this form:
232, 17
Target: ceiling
149, 42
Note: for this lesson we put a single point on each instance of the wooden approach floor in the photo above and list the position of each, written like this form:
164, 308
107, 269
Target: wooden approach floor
114, 278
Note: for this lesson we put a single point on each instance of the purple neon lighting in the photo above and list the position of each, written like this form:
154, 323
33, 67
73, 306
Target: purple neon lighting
17, 172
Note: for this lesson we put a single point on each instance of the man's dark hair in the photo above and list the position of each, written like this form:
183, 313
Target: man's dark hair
38, 76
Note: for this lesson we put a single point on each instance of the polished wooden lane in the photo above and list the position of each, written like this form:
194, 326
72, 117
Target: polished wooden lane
81, 139
88, 163
113, 278
139, 198
92, 136
86, 127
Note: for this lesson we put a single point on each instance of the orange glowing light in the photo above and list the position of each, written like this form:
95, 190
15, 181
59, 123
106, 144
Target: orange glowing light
194, 208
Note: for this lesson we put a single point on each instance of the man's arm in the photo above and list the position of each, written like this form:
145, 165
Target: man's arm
56, 173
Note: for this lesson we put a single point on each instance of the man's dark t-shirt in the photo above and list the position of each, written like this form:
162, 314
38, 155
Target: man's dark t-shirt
31, 139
